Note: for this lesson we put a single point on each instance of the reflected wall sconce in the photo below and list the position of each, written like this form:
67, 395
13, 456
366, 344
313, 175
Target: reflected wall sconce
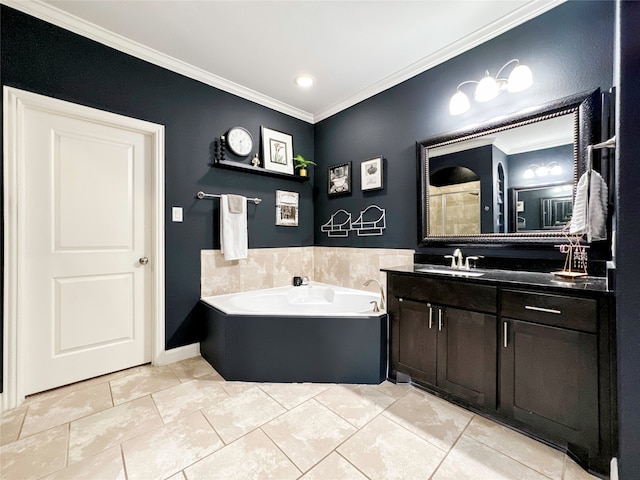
542, 170
489, 88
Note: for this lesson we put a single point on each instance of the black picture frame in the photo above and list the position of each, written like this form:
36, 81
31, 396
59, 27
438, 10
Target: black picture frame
372, 174
339, 179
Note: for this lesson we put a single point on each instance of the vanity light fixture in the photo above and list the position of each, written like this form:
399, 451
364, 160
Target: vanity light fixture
304, 80
489, 88
542, 170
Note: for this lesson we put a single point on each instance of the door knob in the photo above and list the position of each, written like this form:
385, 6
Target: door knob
144, 261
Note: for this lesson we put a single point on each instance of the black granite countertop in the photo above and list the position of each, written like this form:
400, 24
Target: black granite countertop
509, 278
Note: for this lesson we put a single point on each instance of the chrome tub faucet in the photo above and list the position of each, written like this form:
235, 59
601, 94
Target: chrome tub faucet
382, 301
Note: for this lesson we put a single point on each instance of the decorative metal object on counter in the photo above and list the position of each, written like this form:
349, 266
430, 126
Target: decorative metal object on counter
575, 263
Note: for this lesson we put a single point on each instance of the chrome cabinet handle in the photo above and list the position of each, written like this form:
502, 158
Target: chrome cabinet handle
439, 319
540, 309
505, 332
143, 260
430, 316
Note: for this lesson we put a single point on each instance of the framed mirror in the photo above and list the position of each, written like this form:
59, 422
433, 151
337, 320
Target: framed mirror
510, 180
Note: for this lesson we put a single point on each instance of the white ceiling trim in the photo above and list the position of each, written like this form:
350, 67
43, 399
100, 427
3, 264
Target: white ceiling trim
94, 32
480, 36
62, 19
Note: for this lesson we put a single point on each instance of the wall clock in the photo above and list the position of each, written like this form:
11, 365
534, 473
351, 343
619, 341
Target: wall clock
239, 141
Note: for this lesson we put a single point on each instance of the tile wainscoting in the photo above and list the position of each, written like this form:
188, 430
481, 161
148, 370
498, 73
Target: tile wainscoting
275, 267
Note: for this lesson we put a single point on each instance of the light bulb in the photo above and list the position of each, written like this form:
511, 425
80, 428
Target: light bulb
542, 171
459, 103
487, 89
528, 173
520, 79
556, 170
304, 80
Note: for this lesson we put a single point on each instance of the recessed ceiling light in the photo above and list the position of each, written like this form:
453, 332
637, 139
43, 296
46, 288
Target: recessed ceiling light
304, 80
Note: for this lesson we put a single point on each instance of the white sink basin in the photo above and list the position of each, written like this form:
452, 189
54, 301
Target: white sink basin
454, 273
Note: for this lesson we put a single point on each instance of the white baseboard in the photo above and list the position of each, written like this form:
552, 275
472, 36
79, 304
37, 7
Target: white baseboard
176, 354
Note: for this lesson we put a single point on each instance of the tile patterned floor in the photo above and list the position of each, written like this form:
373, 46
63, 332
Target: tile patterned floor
184, 422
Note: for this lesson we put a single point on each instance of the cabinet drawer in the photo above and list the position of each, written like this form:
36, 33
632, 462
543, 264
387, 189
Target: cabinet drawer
482, 298
557, 310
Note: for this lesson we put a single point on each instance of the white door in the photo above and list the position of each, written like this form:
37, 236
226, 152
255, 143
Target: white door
85, 222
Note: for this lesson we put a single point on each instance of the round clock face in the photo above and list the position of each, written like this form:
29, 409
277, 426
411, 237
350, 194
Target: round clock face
240, 141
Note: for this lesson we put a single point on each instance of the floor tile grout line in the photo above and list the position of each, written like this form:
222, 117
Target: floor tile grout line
61, 424
66, 454
455, 442
24, 419
124, 461
156, 391
392, 419
349, 421
113, 405
513, 458
504, 454
352, 464
282, 451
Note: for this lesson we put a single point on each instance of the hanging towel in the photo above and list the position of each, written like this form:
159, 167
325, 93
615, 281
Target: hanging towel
590, 207
598, 202
580, 207
233, 227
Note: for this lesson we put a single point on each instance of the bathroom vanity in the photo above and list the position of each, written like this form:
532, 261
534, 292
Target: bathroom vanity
526, 349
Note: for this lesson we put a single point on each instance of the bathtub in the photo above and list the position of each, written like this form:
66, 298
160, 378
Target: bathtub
311, 333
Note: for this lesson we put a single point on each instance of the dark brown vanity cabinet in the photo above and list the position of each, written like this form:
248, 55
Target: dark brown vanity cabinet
549, 364
417, 340
539, 359
441, 345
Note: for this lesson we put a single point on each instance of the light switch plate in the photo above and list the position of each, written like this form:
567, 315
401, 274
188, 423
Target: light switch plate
176, 214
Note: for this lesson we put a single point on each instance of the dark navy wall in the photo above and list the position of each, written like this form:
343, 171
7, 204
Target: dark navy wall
45, 59
569, 49
628, 251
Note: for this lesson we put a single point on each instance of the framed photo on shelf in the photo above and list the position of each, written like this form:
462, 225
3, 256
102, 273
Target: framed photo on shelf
371, 174
286, 208
339, 179
277, 151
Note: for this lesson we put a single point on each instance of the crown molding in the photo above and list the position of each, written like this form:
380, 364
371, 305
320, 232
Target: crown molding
512, 20
55, 16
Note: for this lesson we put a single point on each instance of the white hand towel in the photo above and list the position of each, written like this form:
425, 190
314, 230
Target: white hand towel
580, 205
233, 228
598, 203
590, 207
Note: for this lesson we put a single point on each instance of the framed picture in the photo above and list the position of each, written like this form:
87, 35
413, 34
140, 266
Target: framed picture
339, 179
277, 151
286, 208
371, 174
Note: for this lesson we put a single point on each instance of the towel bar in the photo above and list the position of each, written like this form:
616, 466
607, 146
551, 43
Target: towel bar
202, 195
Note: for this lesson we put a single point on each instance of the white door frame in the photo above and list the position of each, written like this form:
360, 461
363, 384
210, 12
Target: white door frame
15, 102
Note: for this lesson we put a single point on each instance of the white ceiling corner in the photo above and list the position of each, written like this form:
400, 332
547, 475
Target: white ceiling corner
355, 49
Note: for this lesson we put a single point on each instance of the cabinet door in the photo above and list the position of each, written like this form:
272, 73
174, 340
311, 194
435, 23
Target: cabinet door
549, 379
417, 341
467, 355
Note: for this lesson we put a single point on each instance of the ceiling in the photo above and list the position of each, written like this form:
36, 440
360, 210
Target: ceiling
254, 49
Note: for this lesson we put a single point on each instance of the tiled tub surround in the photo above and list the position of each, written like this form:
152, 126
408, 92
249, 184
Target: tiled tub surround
183, 421
276, 267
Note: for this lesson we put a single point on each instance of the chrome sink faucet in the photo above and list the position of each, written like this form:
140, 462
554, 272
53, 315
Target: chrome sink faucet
457, 260
382, 301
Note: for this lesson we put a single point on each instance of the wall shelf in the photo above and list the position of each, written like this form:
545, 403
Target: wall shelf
243, 167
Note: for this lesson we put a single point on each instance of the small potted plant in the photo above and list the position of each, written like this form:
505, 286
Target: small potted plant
302, 163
